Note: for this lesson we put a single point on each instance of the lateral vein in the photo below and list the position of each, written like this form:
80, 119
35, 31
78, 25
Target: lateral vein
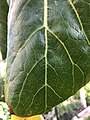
26, 80
69, 56
79, 21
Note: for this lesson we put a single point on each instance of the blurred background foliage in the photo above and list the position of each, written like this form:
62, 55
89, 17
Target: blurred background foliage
68, 110
4, 112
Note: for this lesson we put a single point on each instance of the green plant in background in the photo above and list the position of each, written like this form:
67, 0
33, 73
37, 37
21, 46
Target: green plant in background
87, 89
2, 77
69, 108
4, 111
87, 118
3, 27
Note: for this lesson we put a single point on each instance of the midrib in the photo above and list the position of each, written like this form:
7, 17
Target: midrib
46, 46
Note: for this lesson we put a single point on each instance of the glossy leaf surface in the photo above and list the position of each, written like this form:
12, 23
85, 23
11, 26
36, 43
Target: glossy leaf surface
3, 27
48, 53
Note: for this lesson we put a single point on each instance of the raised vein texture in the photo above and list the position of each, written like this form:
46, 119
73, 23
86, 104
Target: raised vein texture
49, 55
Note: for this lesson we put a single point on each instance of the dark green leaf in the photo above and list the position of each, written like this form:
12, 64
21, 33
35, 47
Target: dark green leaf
3, 27
49, 53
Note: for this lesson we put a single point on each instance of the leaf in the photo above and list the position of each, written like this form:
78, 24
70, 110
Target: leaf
37, 117
49, 53
3, 27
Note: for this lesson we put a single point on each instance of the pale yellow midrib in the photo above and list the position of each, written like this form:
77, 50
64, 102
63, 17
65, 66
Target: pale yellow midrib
46, 47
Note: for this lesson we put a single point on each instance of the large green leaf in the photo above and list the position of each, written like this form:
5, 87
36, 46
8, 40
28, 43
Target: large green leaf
3, 27
49, 53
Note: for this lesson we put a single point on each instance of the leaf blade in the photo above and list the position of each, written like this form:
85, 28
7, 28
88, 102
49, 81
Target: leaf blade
48, 33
